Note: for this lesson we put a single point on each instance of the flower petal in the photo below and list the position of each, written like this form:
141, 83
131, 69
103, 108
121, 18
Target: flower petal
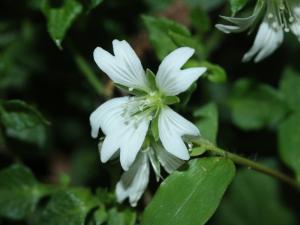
170, 78
134, 181
124, 68
266, 42
107, 116
167, 160
172, 127
132, 141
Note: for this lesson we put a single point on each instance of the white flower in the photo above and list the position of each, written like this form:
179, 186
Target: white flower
135, 180
125, 120
279, 16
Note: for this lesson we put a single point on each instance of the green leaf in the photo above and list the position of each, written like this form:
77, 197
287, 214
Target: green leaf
60, 19
254, 105
198, 151
289, 142
253, 198
202, 185
99, 216
207, 121
289, 86
19, 192
126, 217
237, 5
69, 207
159, 30
23, 121
214, 72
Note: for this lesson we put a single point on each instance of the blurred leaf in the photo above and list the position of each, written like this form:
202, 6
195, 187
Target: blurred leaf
93, 4
18, 56
200, 19
205, 4
237, 5
69, 207
126, 217
254, 106
289, 86
159, 30
60, 19
214, 72
19, 192
289, 142
99, 216
207, 121
23, 122
188, 41
201, 186
253, 198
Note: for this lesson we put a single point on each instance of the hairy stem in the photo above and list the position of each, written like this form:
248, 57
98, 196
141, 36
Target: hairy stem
248, 163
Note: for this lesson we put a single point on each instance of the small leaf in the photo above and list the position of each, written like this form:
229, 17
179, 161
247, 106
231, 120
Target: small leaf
23, 122
207, 121
289, 142
214, 72
159, 29
126, 217
289, 86
60, 19
198, 151
19, 192
202, 185
69, 207
237, 5
99, 216
253, 198
256, 105
93, 4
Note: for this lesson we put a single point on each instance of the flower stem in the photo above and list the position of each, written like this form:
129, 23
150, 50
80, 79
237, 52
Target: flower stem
248, 163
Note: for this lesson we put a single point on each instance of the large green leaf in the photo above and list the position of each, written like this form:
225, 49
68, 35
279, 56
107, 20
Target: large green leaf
289, 142
23, 121
289, 86
253, 198
207, 121
60, 19
19, 192
192, 195
254, 106
159, 30
69, 207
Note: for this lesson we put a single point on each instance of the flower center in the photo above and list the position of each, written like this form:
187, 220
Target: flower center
280, 14
141, 107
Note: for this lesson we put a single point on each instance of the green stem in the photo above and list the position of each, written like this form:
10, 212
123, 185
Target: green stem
248, 163
89, 74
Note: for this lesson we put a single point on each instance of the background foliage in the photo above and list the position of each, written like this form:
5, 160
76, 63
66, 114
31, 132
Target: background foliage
49, 84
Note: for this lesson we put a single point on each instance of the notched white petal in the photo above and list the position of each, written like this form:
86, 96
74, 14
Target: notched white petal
267, 40
134, 181
172, 127
169, 162
124, 67
107, 116
170, 79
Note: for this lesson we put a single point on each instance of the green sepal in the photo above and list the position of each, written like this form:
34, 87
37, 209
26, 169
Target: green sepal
151, 79
134, 91
198, 151
170, 100
154, 127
